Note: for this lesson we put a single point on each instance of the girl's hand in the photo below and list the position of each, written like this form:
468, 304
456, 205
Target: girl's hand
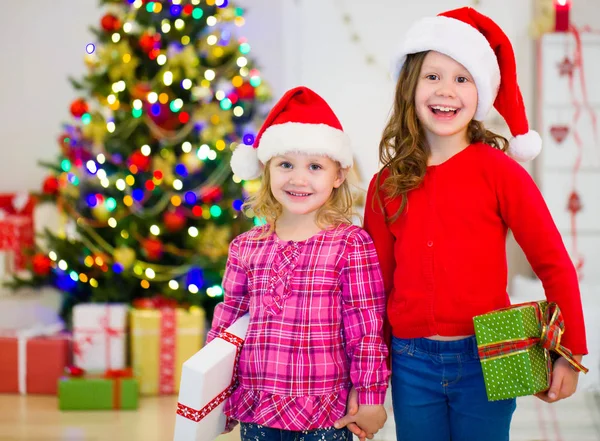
371, 417
563, 382
349, 419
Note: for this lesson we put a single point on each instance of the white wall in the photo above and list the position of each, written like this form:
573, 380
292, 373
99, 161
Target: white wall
41, 43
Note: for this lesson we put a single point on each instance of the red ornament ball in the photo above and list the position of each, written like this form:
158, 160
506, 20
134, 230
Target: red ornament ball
211, 194
110, 23
246, 91
79, 107
174, 221
141, 90
41, 264
141, 161
164, 118
149, 42
50, 185
153, 248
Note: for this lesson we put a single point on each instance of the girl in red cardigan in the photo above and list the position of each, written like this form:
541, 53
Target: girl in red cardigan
439, 212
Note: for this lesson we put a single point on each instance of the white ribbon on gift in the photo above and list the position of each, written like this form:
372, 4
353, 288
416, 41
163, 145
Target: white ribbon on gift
22, 335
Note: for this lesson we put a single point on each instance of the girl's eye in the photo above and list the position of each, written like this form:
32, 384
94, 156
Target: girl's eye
462, 79
285, 164
314, 167
432, 77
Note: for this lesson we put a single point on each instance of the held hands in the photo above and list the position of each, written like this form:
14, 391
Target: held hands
363, 421
563, 383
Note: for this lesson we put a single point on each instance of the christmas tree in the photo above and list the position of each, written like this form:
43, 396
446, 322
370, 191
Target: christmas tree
143, 182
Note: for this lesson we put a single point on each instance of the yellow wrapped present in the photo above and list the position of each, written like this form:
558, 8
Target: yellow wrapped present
161, 340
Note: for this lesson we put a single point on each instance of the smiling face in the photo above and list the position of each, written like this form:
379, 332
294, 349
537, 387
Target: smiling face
303, 183
445, 98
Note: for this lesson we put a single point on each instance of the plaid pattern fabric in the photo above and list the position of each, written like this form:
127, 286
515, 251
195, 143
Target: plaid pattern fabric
316, 317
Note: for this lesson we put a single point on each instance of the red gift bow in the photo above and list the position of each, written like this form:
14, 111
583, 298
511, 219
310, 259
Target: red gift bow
106, 330
116, 375
155, 302
197, 415
552, 328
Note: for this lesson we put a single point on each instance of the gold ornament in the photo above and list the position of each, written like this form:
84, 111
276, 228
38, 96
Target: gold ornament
218, 122
215, 58
91, 60
227, 14
183, 64
100, 212
96, 129
192, 163
252, 186
165, 166
119, 62
213, 242
263, 93
125, 256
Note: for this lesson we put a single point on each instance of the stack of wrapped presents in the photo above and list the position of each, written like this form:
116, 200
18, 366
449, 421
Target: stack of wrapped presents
114, 353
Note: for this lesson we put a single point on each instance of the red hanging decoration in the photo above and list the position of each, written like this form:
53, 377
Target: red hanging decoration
566, 67
174, 221
559, 133
41, 264
153, 248
110, 23
149, 42
50, 185
246, 91
79, 107
141, 161
574, 205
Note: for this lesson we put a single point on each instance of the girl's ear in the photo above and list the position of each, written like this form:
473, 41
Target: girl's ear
341, 177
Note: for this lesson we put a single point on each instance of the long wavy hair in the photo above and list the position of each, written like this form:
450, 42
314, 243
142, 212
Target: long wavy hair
337, 210
403, 150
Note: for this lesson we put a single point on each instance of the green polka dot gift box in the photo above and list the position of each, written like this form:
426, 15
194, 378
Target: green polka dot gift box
517, 346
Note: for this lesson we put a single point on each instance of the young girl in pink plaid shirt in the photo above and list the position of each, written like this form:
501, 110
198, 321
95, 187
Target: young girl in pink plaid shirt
310, 281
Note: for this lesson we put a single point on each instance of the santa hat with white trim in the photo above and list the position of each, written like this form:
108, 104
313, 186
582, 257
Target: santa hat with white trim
300, 122
478, 43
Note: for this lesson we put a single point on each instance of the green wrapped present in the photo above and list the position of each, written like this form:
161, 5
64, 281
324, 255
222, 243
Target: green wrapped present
515, 345
115, 389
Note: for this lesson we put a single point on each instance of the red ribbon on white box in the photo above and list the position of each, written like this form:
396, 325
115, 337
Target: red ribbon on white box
197, 415
105, 329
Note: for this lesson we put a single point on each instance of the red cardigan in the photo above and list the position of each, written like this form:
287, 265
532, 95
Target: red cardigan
444, 259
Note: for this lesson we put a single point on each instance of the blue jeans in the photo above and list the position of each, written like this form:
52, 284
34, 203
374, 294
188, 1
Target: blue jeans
256, 432
438, 393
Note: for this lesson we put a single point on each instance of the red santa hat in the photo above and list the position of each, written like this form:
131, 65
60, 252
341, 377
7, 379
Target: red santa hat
479, 44
301, 122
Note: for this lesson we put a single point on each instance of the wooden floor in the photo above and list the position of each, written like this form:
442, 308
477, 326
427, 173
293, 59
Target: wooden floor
37, 418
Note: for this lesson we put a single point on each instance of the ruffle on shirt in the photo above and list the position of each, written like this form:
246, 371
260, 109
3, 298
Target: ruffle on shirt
281, 273
287, 413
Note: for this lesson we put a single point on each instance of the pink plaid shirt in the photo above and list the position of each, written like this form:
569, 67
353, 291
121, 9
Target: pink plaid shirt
316, 317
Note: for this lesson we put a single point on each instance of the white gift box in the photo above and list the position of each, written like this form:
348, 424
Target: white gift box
99, 335
206, 380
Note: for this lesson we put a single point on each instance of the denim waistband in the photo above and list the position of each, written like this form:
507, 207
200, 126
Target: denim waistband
466, 346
